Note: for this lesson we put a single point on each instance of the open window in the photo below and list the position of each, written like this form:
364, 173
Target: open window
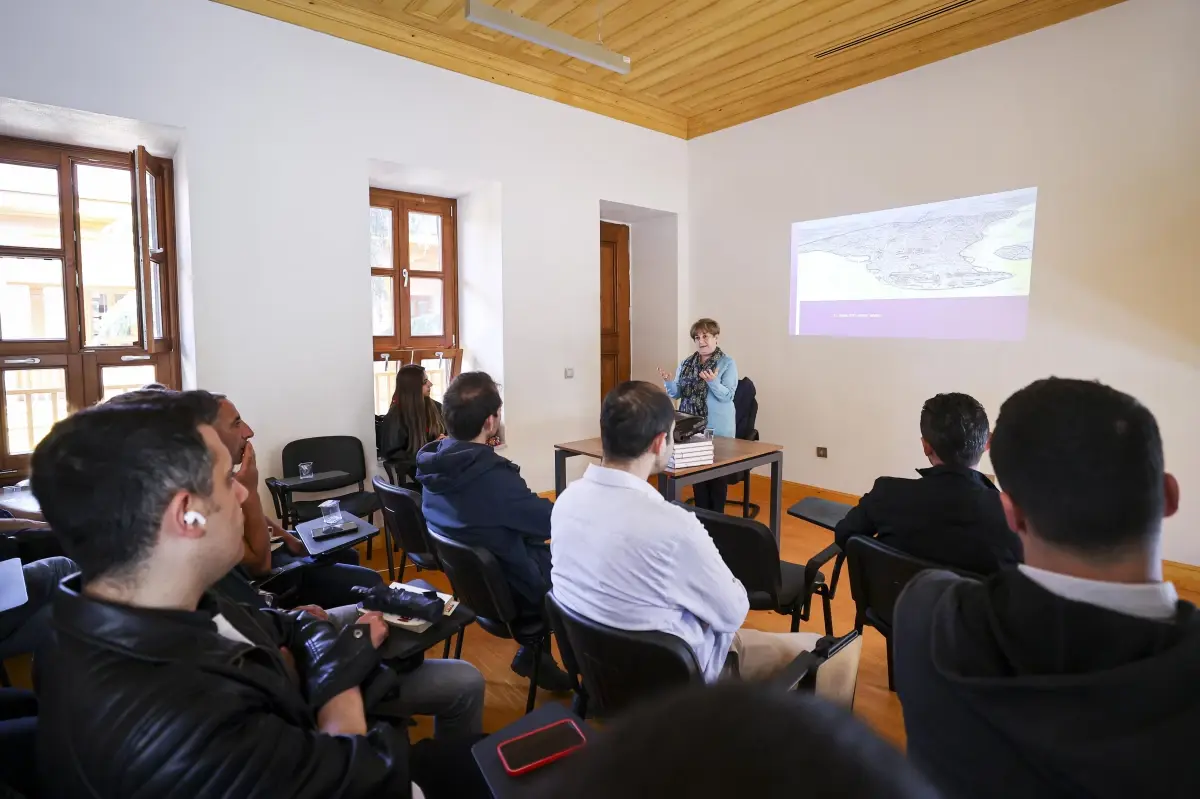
414, 289
87, 284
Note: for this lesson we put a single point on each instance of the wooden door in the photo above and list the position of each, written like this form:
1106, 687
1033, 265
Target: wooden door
614, 306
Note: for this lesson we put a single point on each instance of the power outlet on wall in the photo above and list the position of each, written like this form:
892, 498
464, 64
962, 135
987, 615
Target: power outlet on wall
569, 373
822, 452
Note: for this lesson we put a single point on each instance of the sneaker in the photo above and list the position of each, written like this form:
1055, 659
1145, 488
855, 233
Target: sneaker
550, 676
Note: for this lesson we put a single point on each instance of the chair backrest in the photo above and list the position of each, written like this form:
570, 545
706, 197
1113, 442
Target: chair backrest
878, 573
326, 453
619, 667
749, 550
745, 408
476, 578
404, 519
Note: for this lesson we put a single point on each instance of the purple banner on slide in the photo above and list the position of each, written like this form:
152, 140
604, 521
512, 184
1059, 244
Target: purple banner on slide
996, 318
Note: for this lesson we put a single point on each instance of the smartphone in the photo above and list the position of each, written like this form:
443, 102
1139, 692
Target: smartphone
545, 745
334, 532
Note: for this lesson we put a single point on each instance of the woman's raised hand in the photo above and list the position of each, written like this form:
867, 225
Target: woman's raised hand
664, 374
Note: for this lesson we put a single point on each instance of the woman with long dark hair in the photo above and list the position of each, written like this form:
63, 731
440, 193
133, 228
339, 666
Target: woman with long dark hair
412, 421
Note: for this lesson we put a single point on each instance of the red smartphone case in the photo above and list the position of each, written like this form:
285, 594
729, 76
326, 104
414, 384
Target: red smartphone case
545, 760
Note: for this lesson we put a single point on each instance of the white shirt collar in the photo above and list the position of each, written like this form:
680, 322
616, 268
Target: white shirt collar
617, 478
1155, 601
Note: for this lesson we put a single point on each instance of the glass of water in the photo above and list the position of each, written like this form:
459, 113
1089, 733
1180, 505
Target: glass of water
331, 512
306, 471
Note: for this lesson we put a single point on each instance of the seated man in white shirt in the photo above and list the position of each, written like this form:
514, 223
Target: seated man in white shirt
625, 557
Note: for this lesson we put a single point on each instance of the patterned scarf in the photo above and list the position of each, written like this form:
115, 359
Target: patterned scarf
693, 391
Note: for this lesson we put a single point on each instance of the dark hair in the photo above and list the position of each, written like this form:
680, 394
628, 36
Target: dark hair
956, 427
418, 414
105, 475
633, 414
704, 325
738, 739
470, 399
1083, 462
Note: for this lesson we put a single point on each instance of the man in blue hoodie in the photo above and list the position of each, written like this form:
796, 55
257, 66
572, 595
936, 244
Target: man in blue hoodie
474, 496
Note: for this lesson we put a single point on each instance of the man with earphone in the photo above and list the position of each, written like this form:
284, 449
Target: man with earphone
150, 682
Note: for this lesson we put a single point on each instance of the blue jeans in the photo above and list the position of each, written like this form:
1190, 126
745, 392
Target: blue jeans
451, 691
23, 628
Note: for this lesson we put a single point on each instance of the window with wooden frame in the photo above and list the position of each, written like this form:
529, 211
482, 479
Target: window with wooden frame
414, 289
88, 303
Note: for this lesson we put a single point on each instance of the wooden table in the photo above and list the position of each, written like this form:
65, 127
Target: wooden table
23, 505
730, 456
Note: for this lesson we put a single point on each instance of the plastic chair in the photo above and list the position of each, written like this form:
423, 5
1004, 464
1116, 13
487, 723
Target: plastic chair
477, 580
878, 573
618, 668
749, 550
404, 528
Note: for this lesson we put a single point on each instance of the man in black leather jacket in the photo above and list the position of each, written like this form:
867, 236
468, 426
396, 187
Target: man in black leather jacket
152, 687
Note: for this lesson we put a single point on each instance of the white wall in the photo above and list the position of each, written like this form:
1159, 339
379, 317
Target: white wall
1101, 113
654, 288
279, 127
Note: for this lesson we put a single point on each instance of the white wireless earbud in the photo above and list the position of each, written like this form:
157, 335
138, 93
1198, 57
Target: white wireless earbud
194, 519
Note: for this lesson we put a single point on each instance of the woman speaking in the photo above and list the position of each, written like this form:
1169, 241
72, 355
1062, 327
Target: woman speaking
705, 383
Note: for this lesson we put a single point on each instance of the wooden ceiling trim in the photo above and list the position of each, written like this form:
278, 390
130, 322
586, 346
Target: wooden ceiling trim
800, 65
727, 117
804, 37
415, 43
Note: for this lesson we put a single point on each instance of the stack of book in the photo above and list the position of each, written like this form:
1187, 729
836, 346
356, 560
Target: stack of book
696, 451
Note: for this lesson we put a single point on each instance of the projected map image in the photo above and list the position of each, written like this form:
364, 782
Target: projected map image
979, 246
953, 269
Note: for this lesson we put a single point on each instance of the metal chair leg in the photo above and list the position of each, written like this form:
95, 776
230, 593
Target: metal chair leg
533, 676
387, 545
828, 613
796, 618
4, 681
891, 678
403, 563
446, 648
458, 646
746, 496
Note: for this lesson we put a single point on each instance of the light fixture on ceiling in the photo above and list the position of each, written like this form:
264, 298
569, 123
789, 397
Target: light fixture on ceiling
506, 22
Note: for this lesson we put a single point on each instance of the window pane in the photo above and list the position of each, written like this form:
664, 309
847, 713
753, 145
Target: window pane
425, 306
116, 380
29, 207
381, 238
424, 242
34, 399
110, 307
152, 209
438, 371
385, 385
31, 299
156, 298
383, 307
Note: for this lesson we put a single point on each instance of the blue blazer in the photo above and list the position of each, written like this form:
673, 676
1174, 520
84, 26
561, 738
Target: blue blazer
721, 417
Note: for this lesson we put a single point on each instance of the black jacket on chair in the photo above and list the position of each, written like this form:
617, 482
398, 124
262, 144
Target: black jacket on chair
951, 515
152, 703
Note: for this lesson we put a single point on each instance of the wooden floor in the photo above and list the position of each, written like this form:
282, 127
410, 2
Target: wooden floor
874, 703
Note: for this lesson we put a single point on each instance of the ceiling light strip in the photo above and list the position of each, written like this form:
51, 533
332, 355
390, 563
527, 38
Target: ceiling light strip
544, 36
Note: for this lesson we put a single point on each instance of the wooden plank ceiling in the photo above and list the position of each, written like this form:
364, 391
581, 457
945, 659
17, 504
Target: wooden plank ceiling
698, 65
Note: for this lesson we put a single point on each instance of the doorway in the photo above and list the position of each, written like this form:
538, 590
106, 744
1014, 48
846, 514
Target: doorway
614, 306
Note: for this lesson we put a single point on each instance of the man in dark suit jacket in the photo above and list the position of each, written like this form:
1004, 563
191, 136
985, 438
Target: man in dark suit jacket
952, 514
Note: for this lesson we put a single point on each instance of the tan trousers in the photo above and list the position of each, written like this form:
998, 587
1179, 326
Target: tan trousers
763, 655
